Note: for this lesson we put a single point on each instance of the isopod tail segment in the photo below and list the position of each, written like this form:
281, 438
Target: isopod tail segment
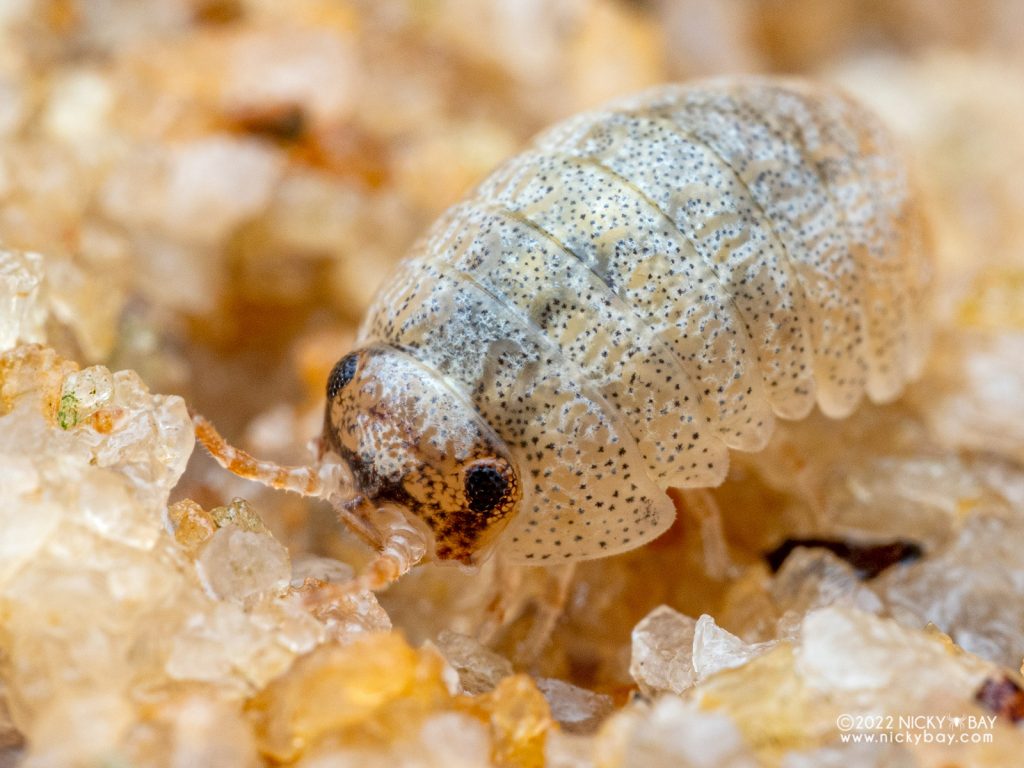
399, 544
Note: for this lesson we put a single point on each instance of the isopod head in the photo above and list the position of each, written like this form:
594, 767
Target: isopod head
412, 442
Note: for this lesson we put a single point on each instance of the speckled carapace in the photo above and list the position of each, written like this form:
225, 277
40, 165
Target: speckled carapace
646, 287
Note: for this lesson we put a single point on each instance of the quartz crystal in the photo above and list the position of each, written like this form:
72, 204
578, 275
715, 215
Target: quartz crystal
967, 589
673, 733
91, 574
236, 564
23, 311
199, 191
715, 649
846, 662
308, 67
520, 720
980, 409
853, 756
871, 660
815, 578
672, 652
480, 669
445, 740
577, 710
377, 682
662, 657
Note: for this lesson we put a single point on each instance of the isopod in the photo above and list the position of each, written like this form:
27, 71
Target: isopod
647, 286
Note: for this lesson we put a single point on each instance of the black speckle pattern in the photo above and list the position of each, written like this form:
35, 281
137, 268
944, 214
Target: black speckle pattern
341, 374
652, 284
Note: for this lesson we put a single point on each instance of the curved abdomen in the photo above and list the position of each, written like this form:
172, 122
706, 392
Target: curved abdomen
653, 283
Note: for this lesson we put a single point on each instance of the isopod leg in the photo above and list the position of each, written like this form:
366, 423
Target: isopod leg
550, 608
304, 480
702, 508
403, 548
540, 593
507, 597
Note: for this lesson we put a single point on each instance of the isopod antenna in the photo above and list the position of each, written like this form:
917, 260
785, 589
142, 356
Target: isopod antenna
307, 481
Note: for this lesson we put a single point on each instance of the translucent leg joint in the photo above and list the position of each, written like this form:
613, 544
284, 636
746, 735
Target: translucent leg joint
401, 551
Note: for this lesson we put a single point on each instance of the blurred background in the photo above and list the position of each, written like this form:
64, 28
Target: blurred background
220, 186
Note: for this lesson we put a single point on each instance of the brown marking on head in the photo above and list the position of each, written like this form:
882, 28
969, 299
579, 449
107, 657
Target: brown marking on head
411, 441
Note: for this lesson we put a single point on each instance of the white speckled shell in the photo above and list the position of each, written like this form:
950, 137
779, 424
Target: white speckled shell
652, 283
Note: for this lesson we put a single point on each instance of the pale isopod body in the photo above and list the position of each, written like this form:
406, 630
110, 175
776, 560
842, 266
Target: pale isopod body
645, 287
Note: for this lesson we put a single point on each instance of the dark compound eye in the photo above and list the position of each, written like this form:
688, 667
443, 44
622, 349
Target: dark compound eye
341, 374
486, 487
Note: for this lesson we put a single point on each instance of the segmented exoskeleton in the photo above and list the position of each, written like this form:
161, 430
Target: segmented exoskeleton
644, 288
